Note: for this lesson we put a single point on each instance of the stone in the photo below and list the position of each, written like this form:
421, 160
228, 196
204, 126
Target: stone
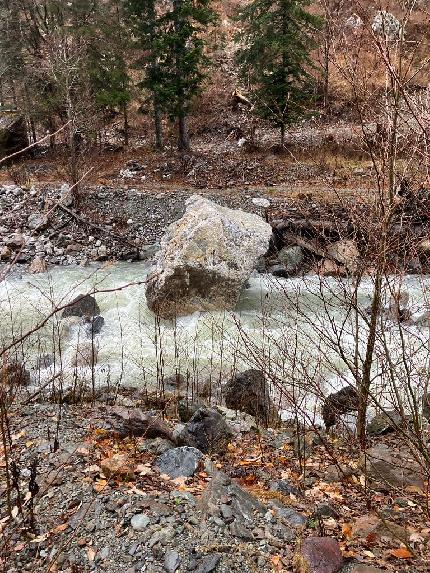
361, 568
5, 253
223, 490
319, 555
288, 514
291, 257
172, 561
15, 241
238, 421
278, 270
377, 528
326, 510
390, 468
37, 265
187, 408
248, 392
208, 563
37, 221
82, 305
339, 403
283, 487
117, 466
261, 202
126, 421
346, 253
384, 423
205, 259
94, 325
422, 319
207, 431
329, 268
386, 24
337, 473
179, 462
148, 252
140, 522
398, 307
13, 133
155, 446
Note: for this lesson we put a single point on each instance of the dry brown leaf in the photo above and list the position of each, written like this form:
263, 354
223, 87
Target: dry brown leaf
60, 528
99, 485
401, 553
347, 530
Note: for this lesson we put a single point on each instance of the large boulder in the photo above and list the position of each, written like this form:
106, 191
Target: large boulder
82, 305
205, 259
342, 402
13, 134
248, 392
207, 431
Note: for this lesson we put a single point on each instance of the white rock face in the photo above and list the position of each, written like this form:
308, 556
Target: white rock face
386, 24
205, 258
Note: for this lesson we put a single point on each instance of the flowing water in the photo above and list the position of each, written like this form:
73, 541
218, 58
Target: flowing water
291, 328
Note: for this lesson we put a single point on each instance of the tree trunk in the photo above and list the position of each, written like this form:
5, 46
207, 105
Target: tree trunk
158, 126
126, 126
183, 136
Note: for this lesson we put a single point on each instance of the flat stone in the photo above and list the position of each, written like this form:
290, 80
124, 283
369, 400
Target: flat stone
208, 563
392, 468
288, 514
179, 462
366, 525
320, 555
172, 561
140, 521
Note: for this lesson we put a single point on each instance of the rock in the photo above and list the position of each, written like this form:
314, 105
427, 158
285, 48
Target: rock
82, 305
38, 265
386, 24
85, 355
37, 221
174, 383
208, 563
354, 22
426, 406
205, 259
398, 308
288, 514
261, 202
326, 510
392, 468
337, 473
15, 241
341, 402
346, 253
155, 446
360, 568
140, 522
207, 431
278, 270
384, 423
319, 555
172, 561
133, 422
291, 258
94, 325
248, 392
187, 408
422, 319
377, 528
329, 268
5, 253
14, 374
147, 252
45, 361
179, 462
117, 466
238, 421
13, 133
223, 490
283, 487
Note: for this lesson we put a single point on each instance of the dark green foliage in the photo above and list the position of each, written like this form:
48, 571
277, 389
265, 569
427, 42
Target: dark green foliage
274, 57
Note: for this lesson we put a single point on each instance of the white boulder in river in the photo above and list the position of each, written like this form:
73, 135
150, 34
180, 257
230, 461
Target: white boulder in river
205, 258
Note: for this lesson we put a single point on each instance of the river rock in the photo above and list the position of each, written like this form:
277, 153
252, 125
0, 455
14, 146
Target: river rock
248, 392
187, 408
207, 431
346, 253
339, 403
94, 325
291, 258
319, 555
179, 462
205, 259
82, 305
38, 265
140, 522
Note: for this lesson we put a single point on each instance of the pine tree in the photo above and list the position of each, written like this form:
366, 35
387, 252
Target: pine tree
182, 46
274, 58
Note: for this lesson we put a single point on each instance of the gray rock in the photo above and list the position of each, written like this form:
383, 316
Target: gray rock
321, 555
291, 258
172, 561
341, 402
207, 431
13, 133
94, 325
392, 468
179, 462
187, 408
156, 446
208, 563
140, 522
205, 259
37, 221
261, 202
278, 270
386, 24
384, 423
288, 514
283, 487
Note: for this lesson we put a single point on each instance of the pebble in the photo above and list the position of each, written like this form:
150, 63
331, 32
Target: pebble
172, 561
140, 521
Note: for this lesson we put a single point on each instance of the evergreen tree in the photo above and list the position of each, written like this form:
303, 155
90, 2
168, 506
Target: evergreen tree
274, 57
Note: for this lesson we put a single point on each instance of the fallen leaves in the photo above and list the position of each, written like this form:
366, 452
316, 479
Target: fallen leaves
401, 553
